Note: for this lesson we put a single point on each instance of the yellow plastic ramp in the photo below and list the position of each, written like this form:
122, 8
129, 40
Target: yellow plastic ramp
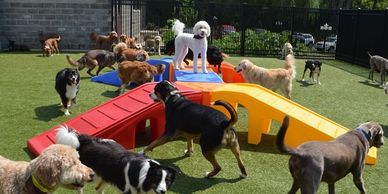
263, 105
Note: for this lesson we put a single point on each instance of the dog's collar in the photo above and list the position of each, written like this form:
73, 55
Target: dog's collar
173, 93
365, 134
198, 36
38, 185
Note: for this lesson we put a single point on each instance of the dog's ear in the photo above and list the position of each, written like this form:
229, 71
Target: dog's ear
47, 169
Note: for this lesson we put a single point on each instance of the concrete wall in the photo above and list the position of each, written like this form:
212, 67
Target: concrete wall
74, 20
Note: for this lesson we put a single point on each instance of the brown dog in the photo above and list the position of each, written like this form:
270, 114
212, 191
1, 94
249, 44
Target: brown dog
137, 72
105, 42
130, 42
127, 54
50, 46
188, 119
316, 161
93, 58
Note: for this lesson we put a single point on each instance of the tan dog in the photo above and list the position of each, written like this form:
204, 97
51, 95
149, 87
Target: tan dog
130, 42
93, 58
58, 165
272, 79
316, 161
127, 54
287, 50
105, 42
152, 44
137, 72
50, 46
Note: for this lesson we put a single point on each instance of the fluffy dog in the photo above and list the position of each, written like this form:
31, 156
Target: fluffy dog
57, 166
124, 53
93, 58
214, 54
67, 86
379, 64
316, 161
137, 72
105, 42
272, 79
130, 42
50, 46
197, 42
315, 67
287, 50
153, 44
127, 171
189, 119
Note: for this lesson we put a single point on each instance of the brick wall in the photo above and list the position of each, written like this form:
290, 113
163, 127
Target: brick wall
74, 20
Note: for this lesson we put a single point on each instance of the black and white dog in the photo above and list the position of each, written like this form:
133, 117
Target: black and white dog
315, 67
67, 86
129, 172
191, 120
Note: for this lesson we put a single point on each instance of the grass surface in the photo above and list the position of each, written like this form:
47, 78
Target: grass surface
29, 105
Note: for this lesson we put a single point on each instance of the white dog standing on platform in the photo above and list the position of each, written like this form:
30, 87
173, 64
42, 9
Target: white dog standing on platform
197, 42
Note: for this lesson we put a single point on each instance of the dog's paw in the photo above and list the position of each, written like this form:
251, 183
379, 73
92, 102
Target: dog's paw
302, 80
67, 113
188, 153
243, 176
207, 175
142, 153
205, 71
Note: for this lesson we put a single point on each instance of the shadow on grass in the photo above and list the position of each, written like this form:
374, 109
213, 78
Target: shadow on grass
110, 94
188, 184
368, 83
304, 83
49, 112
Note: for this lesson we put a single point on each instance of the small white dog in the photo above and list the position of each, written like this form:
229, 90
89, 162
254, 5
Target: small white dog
197, 42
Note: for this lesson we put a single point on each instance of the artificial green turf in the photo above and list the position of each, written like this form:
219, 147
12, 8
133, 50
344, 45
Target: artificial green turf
30, 105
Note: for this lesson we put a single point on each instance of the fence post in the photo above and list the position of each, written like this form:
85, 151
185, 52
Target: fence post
385, 48
176, 6
356, 35
243, 28
131, 19
292, 25
214, 22
339, 12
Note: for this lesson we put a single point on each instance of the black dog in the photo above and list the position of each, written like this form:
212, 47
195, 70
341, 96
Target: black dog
189, 119
315, 68
129, 172
215, 56
67, 86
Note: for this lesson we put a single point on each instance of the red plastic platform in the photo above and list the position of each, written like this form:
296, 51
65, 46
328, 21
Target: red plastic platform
118, 119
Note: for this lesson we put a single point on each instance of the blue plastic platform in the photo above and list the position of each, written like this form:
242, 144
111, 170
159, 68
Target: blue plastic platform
189, 76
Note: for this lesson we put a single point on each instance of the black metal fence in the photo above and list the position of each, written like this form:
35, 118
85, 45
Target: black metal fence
362, 31
236, 28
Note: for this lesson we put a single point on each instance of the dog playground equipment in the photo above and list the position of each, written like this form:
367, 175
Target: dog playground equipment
121, 117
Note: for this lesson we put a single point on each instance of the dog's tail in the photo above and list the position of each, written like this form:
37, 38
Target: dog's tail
58, 39
231, 110
280, 138
67, 136
290, 65
368, 54
72, 62
119, 48
93, 36
178, 27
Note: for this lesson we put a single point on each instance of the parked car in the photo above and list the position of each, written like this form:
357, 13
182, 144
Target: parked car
305, 38
330, 44
227, 29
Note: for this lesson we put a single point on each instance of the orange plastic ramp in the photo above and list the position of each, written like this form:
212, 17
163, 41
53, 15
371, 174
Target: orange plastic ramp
117, 119
264, 105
